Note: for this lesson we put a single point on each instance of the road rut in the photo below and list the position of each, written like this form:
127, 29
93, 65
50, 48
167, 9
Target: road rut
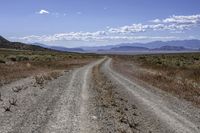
88, 100
170, 119
60, 108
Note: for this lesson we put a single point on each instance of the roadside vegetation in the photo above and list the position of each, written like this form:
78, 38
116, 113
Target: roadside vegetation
178, 74
16, 64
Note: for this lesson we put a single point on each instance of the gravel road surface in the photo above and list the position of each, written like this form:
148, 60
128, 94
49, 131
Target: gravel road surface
93, 99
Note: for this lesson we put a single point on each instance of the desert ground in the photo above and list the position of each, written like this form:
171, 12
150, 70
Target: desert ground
70, 93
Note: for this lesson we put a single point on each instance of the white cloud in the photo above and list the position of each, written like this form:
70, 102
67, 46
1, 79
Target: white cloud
43, 12
173, 24
54, 14
134, 28
156, 21
99, 36
191, 19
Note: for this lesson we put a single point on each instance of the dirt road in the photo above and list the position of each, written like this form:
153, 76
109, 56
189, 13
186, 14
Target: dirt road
165, 112
94, 98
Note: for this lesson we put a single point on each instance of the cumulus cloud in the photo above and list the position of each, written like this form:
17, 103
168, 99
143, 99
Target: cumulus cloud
129, 29
135, 28
179, 22
192, 19
42, 11
99, 36
156, 21
173, 24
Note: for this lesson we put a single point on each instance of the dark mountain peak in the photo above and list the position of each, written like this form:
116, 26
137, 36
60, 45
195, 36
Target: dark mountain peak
4, 43
181, 47
129, 48
59, 48
171, 48
3, 40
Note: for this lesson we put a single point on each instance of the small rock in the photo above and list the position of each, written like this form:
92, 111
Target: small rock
94, 117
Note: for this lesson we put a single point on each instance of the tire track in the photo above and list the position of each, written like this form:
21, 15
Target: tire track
61, 108
171, 120
70, 115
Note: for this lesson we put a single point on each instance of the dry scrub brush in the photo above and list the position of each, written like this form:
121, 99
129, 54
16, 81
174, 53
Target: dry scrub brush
7, 108
13, 102
40, 79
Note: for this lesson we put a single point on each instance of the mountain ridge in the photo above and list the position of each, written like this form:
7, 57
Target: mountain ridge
4, 43
175, 45
60, 48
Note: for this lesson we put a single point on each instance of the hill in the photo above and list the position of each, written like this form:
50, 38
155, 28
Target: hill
144, 49
129, 48
4, 43
172, 48
60, 48
187, 44
191, 44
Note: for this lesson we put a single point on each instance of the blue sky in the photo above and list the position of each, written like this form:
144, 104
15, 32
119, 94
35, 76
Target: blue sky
73, 23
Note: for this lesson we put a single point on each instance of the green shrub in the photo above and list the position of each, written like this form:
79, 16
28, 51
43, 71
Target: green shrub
22, 58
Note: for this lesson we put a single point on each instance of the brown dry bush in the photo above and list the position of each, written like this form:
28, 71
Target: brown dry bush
39, 79
55, 74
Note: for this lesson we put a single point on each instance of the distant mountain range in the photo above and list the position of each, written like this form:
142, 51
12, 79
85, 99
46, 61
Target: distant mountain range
177, 45
173, 48
59, 48
191, 44
129, 48
4, 43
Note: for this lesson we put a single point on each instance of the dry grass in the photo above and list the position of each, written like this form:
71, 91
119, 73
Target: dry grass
15, 64
42, 78
178, 74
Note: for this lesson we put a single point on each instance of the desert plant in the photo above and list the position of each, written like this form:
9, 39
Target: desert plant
47, 77
7, 108
55, 75
22, 58
25, 87
13, 102
39, 80
17, 89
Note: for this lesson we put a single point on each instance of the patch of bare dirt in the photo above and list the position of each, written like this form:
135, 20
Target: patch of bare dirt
113, 111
